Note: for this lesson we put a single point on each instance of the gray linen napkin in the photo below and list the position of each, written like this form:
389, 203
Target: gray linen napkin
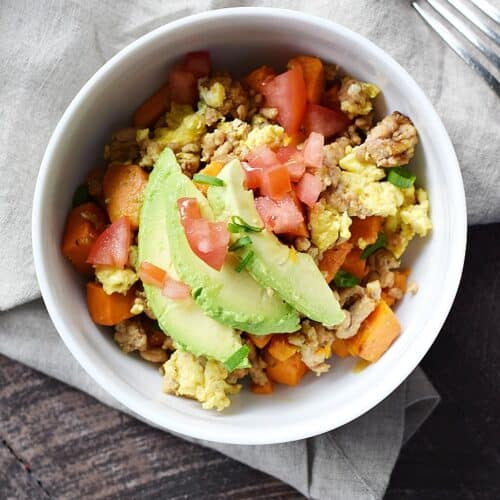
49, 49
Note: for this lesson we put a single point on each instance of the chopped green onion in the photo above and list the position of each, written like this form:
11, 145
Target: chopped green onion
240, 243
401, 177
238, 225
207, 179
380, 243
81, 195
245, 261
344, 279
236, 358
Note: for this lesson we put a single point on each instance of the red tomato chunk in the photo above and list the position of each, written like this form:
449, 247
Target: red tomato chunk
280, 216
253, 176
276, 182
208, 240
175, 290
313, 150
287, 93
262, 157
325, 121
112, 246
293, 159
309, 189
151, 274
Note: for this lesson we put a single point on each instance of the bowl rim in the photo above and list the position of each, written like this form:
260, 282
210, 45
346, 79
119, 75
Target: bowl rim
318, 424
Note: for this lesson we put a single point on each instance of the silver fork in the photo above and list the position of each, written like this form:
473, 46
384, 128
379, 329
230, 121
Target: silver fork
439, 12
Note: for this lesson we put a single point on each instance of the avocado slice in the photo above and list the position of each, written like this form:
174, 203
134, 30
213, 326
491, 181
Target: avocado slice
293, 275
230, 297
191, 329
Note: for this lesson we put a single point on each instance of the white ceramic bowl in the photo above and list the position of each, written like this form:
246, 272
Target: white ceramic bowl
240, 39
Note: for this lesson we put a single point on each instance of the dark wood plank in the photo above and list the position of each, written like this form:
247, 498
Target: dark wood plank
75, 444
16, 479
63, 444
456, 454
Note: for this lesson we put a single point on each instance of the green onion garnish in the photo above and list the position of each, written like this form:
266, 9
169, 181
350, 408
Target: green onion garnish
81, 195
240, 243
207, 179
401, 177
245, 261
344, 279
236, 358
380, 243
238, 225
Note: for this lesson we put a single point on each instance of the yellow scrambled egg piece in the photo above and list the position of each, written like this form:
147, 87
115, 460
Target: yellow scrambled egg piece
328, 226
362, 179
184, 127
213, 96
185, 375
116, 280
273, 136
411, 219
356, 97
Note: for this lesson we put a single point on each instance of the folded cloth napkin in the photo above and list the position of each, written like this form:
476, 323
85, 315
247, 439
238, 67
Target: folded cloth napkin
49, 49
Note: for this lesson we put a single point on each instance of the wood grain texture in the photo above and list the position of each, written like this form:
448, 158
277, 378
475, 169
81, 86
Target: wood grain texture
56, 442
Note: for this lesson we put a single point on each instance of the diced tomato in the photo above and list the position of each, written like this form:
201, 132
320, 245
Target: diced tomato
155, 276
198, 63
208, 240
262, 157
287, 93
313, 150
293, 159
174, 289
215, 259
183, 86
275, 181
280, 216
253, 176
151, 274
189, 208
309, 189
325, 121
301, 229
112, 246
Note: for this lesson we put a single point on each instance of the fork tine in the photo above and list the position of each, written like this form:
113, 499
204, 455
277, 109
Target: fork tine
475, 19
466, 31
456, 45
490, 10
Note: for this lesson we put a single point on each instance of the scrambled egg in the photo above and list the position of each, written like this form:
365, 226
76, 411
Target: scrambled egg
184, 126
328, 226
355, 97
270, 135
362, 179
116, 280
186, 376
236, 130
213, 96
411, 219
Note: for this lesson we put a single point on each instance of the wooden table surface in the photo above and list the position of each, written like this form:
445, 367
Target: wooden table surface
59, 443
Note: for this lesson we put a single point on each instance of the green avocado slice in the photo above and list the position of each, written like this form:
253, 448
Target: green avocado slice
293, 275
191, 329
230, 297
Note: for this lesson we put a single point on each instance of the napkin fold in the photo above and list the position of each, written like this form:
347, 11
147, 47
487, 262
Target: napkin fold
49, 50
